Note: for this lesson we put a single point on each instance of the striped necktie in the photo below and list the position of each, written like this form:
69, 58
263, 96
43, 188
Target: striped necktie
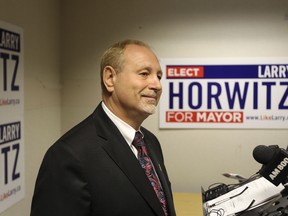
147, 165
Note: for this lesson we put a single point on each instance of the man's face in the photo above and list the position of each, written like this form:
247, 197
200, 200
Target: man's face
137, 88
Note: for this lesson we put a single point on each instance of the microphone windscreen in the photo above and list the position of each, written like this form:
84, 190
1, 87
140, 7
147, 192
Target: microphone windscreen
263, 154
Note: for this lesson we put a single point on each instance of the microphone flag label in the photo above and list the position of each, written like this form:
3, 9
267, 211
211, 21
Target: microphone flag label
277, 170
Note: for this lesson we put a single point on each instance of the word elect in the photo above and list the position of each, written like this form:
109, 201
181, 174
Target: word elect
184, 72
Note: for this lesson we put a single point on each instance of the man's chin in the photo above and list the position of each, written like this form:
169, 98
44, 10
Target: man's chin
150, 109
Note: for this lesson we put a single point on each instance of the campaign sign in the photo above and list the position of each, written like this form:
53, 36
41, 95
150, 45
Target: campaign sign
224, 93
11, 116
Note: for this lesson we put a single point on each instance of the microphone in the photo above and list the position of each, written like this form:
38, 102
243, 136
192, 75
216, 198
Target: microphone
264, 154
275, 163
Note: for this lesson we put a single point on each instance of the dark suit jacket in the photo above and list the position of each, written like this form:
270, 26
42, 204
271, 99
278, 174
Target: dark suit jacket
91, 171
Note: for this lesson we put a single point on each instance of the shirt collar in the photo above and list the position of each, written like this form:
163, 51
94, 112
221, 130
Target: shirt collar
125, 129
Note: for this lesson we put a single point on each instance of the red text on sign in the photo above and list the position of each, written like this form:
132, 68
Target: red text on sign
204, 117
184, 71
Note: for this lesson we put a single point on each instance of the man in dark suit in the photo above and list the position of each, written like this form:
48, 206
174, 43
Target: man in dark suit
93, 170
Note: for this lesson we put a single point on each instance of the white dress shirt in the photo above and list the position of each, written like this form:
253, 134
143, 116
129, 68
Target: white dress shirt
126, 130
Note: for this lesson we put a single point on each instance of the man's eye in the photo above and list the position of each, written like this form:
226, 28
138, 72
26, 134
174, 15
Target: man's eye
144, 74
159, 77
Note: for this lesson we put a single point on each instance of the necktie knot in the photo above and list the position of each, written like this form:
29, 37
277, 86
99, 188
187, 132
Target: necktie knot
138, 140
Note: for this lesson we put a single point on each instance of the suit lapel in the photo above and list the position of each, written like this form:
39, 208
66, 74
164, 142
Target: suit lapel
128, 163
116, 147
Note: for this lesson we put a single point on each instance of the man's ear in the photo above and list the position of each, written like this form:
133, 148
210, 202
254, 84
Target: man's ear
108, 78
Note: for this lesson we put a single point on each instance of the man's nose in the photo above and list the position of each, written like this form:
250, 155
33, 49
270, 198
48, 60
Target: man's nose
155, 83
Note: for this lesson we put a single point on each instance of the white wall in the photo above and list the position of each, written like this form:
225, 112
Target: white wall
40, 22
186, 28
176, 29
